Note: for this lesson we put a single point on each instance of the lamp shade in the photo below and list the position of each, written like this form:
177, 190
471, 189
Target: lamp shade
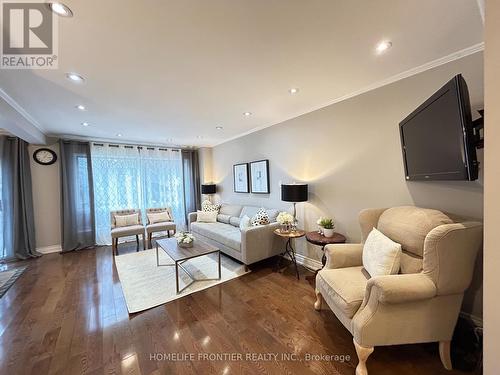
208, 189
294, 193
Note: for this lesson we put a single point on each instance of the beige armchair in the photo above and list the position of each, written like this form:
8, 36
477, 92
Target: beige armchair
125, 231
422, 302
165, 226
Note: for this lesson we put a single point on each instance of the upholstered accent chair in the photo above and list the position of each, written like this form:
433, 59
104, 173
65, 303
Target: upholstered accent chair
164, 226
125, 231
422, 302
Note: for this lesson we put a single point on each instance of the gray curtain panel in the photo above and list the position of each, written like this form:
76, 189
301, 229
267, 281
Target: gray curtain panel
18, 237
192, 188
77, 196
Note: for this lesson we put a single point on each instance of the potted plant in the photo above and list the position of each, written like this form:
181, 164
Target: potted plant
184, 239
327, 226
286, 220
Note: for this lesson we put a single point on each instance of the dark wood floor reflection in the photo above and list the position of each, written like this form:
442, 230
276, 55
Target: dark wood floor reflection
67, 315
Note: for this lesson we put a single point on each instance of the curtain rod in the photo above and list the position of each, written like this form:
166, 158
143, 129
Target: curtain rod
98, 141
139, 147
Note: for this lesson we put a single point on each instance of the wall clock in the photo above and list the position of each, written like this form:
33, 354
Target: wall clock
45, 156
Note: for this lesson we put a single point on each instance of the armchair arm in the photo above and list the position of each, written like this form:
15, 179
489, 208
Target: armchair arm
394, 289
343, 255
260, 242
191, 219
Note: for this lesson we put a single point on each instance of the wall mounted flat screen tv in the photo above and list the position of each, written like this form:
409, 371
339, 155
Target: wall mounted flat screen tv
437, 138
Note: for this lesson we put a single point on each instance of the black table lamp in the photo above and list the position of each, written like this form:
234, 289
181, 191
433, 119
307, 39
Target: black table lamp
294, 193
208, 189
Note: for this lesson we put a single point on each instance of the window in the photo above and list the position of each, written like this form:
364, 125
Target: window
127, 177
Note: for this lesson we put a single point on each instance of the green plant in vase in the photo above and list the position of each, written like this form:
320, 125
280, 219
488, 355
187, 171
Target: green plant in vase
327, 226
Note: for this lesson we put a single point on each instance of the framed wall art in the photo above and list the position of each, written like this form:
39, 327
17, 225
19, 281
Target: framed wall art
240, 176
259, 176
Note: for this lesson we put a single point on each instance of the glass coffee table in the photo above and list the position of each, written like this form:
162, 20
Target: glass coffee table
180, 255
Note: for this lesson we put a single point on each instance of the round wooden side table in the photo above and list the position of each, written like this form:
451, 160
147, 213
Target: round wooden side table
289, 250
318, 239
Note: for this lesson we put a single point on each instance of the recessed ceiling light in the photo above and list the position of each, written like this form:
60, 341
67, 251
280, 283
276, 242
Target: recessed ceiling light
293, 90
80, 107
75, 77
61, 9
219, 127
119, 135
247, 113
85, 124
383, 46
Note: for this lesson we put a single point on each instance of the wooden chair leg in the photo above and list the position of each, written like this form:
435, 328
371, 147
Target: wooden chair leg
116, 246
363, 354
444, 354
319, 301
150, 240
168, 233
137, 242
113, 247
144, 241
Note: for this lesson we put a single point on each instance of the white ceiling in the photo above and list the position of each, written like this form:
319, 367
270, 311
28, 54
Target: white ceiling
161, 70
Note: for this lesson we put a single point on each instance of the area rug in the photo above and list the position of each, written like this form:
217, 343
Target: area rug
9, 277
145, 285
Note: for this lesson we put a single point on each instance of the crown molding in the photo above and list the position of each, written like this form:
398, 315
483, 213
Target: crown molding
397, 77
19, 109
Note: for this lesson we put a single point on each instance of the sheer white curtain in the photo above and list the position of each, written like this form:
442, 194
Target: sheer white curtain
161, 176
135, 177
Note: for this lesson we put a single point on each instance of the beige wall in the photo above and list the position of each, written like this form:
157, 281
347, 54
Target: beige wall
492, 190
46, 200
205, 161
350, 154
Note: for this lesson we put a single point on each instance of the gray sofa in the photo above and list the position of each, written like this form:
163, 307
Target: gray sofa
248, 245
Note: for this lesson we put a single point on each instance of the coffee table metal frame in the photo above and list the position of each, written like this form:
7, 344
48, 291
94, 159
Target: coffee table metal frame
179, 264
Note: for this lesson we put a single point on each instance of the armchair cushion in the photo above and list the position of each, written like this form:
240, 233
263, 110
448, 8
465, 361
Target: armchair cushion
343, 255
160, 227
343, 287
402, 288
409, 225
130, 230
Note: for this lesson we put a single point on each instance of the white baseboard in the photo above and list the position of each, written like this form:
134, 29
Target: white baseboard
307, 262
49, 249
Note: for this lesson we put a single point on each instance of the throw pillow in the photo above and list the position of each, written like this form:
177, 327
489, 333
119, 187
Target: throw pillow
208, 206
221, 218
244, 222
261, 218
381, 255
158, 217
206, 217
126, 220
235, 221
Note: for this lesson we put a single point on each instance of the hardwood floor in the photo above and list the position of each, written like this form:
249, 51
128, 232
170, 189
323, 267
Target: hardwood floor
67, 315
